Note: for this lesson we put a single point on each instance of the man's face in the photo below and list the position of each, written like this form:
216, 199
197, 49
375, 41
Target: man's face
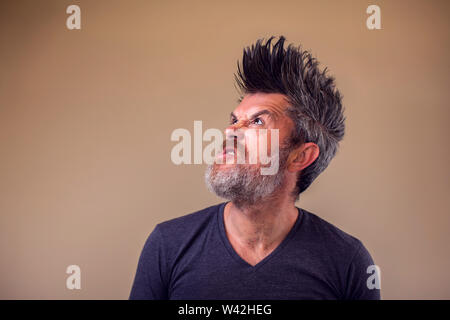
243, 182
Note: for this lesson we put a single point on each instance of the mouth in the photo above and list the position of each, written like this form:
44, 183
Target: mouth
228, 155
229, 151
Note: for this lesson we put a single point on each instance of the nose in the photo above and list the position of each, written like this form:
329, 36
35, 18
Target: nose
236, 126
230, 135
235, 132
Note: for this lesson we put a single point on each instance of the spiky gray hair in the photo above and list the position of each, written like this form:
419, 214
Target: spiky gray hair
315, 103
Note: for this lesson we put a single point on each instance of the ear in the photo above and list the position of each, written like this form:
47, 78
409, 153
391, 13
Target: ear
302, 157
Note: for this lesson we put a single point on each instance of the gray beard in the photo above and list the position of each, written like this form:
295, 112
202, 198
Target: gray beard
244, 185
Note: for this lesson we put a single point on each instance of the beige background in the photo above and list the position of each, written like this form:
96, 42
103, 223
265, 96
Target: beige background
86, 118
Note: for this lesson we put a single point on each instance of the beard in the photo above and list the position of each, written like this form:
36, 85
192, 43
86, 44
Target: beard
243, 184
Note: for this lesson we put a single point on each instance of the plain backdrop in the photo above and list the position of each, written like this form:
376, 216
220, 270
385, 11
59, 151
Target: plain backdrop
86, 117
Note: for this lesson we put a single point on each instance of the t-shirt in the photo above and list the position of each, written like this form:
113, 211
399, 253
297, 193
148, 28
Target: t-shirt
191, 258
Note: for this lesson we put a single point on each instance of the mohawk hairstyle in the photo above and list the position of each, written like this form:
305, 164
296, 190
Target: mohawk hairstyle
315, 103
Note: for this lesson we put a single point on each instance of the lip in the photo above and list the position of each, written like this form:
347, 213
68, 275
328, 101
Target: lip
227, 153
230, 151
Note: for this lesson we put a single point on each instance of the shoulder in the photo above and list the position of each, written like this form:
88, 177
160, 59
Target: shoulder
328, 236
343, 256
187, 230
190, 221
176, 237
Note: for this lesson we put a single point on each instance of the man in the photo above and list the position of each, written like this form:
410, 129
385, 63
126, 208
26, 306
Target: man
258, 245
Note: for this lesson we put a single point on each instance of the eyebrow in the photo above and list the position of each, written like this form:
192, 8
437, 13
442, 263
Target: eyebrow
255, 115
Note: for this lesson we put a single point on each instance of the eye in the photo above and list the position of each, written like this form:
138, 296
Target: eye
233, 121
258, 121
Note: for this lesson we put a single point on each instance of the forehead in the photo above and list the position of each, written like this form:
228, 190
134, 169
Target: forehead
276, 103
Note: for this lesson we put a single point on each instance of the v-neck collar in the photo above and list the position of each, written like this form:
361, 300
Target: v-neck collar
236, 256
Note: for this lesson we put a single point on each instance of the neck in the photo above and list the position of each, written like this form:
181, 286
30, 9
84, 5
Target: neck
263, 226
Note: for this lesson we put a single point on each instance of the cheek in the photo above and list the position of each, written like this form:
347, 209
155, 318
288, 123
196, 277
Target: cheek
251, 146
251, 143
259, 144
251, 139
270, 140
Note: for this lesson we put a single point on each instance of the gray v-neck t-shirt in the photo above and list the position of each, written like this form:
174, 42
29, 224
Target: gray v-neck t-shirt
191, 258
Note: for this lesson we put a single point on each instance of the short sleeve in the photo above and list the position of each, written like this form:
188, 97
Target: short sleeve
149, 281
363, 277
